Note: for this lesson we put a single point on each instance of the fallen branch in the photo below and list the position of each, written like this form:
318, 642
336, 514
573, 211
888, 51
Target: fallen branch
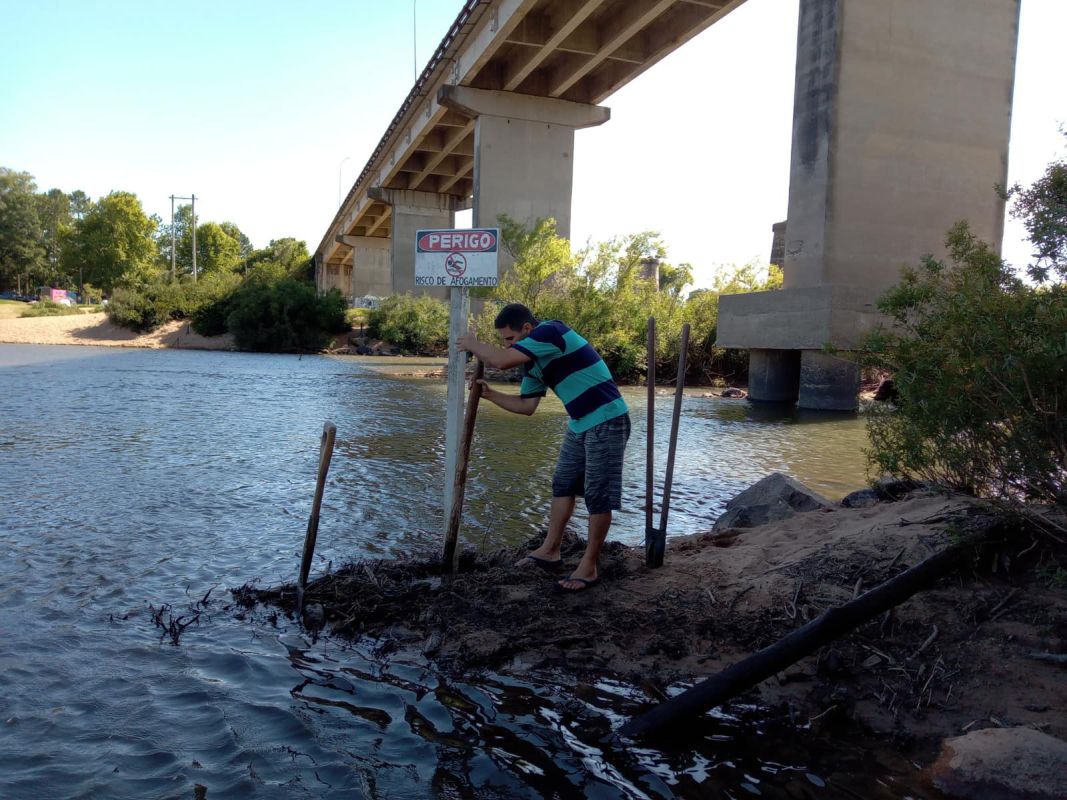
1051, 658
802, 642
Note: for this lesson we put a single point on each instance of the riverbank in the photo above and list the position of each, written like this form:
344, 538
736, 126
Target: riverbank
954, 659
97, 330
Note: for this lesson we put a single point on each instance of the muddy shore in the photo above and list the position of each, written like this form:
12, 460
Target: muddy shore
955, 658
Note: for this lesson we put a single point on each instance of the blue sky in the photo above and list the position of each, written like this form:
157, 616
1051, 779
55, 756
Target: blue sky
258, 107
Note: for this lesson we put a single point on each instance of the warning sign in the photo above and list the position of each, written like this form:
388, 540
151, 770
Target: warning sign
452, 257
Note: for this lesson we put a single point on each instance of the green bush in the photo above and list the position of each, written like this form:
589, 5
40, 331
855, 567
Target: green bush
46, 308
286, 316
414, 324
133, 309
602, 294
979, 360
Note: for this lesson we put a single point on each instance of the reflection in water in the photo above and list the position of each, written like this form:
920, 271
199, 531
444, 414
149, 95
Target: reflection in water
145, 477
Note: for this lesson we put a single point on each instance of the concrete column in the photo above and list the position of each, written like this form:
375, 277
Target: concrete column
371, 265
777, 256
828, 383
901, 119
523, 152
413, 211
773, 375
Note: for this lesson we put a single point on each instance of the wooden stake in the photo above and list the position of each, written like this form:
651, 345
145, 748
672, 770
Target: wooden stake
329, 434
459, 486
650, 440
655, 558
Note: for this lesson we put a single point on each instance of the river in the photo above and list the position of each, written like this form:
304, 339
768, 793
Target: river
135, 478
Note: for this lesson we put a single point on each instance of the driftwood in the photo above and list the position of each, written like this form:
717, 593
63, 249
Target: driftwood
802, 642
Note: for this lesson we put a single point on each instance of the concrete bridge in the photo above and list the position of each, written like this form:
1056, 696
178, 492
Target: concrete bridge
901, 121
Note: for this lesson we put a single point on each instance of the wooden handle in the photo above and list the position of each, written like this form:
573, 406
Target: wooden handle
651, 423
675, 415
459, 486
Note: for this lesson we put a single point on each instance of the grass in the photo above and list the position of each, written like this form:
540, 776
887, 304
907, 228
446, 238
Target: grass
46, 308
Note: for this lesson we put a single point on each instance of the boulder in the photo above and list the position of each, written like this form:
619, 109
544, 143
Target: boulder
1002, 764
775, 497
733, 392
864, 498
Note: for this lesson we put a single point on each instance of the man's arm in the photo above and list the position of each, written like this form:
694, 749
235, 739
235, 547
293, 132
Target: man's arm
492, 356
510, 402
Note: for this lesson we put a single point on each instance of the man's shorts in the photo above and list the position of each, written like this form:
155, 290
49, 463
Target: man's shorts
590, 465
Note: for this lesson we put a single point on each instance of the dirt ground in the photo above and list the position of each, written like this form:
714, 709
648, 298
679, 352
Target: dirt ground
95, 329
954, 658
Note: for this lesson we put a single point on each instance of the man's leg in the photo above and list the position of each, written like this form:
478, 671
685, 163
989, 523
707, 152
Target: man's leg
586, 569
605, 446
558, 517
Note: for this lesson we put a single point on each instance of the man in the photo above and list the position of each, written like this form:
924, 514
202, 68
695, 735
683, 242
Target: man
590, 461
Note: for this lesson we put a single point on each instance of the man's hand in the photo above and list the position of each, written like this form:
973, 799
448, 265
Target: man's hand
467, 341
486, 390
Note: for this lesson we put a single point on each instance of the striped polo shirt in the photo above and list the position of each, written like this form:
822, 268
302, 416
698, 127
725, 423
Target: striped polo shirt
564, 362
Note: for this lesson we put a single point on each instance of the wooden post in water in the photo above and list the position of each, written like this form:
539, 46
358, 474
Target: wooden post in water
329, 434
655, 557
460, 485
650, 440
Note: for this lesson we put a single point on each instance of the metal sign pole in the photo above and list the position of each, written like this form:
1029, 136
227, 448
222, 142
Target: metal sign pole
459, 300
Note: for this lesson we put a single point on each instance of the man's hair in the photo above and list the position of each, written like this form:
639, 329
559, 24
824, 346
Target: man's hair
514, 316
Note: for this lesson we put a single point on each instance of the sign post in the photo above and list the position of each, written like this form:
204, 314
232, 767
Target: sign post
456, 259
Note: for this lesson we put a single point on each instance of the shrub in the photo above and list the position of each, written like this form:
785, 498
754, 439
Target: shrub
980, 365
414, 324
133, 309
285, 316
46, 308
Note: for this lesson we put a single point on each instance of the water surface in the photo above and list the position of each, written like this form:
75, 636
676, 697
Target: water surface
136, 478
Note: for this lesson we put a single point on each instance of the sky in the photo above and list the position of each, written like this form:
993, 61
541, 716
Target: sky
262, 109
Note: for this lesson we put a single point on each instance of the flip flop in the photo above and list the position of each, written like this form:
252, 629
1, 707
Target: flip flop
543, 563
587, 584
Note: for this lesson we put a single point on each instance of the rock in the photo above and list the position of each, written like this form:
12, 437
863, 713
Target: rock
733, 392
363, 350
891, 489
1002, 764
864, 498
775, 497
886, 391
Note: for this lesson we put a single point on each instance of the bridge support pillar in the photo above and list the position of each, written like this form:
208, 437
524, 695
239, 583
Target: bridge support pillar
773, 375
413, 211
523, 152
371, 265
828, 383
901, 119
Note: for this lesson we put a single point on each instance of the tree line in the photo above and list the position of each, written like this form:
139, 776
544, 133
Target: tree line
68, 240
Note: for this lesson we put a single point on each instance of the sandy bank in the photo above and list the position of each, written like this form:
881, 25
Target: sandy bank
951, 659
96, 329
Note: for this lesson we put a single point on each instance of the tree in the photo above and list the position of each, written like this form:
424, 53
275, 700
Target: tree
217, 250
231, 230
979, 360
1043, 211
22, 252
288, 255
111, 243
53, 211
